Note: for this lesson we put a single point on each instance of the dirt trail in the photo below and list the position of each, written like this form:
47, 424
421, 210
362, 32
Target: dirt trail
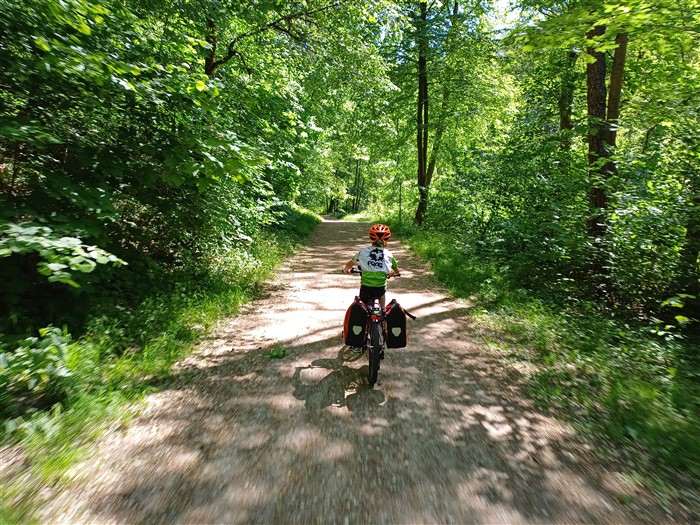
444, 436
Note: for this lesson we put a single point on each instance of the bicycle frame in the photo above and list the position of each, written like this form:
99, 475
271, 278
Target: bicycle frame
375, 339
375, 335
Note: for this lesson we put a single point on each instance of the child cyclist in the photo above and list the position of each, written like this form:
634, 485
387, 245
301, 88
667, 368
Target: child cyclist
377, 263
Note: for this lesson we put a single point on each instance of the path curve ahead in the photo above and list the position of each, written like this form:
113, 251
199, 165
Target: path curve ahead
446, 436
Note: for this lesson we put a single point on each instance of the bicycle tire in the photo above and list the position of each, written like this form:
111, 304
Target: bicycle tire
374, 352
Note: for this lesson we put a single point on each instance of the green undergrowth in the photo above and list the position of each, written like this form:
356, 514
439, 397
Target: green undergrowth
360, 217
625, 381
80, 387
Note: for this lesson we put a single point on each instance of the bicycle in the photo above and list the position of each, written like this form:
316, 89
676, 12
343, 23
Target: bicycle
375, 336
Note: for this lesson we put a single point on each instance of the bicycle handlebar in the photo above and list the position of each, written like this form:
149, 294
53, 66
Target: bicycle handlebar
359, 272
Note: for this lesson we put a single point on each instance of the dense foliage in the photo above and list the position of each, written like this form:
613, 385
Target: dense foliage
138, 162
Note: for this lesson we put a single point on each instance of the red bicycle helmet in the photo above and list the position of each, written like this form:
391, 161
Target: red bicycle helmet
379, 231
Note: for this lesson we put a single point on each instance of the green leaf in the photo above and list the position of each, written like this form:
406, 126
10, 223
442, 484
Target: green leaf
11, 425
128, 86
42, 44
83, 28
674, 302
276, 353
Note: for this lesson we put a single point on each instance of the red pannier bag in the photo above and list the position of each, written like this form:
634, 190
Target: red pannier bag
396, 334
355, 324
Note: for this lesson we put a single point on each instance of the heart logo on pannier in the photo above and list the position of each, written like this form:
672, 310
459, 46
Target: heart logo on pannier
396, 331
356, 329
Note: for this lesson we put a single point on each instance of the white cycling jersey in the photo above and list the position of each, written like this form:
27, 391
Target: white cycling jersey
376, 263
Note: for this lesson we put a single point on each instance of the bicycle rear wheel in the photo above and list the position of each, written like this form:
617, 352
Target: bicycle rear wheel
374, 353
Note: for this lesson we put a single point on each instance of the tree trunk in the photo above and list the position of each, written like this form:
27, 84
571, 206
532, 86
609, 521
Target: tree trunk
597, 150
566, 99
597, 153
210, 59
614, 97
426, 167
422, 115
441, 123
356, 200
361, 191
440, 127
690, 255
332, 205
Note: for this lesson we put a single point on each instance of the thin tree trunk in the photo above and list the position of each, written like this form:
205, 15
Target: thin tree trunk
566, 99
356, 200
437, 139
615, 95
422, 115
361, 191
647, 138
692, 245
690, 253
442, 119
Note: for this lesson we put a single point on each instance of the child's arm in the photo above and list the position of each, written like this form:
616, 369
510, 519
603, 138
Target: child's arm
348, 265
394, 269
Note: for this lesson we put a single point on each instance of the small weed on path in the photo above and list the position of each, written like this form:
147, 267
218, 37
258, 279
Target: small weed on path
276, 353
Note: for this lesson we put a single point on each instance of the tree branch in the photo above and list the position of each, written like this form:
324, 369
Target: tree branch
231, 51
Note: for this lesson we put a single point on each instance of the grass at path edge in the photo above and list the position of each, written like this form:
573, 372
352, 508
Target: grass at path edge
618, 381
125, 355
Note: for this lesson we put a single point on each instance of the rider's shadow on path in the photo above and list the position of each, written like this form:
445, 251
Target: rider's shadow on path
344, 386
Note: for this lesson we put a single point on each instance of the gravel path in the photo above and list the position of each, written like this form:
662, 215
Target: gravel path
446, 435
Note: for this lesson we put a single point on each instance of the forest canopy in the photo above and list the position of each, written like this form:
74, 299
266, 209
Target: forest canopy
162, 133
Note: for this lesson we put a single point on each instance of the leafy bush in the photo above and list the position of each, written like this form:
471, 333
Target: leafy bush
35, 373
60, 255
627, 378
131, 340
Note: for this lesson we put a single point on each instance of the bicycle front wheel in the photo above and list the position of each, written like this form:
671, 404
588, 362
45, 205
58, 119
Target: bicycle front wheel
374, 353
